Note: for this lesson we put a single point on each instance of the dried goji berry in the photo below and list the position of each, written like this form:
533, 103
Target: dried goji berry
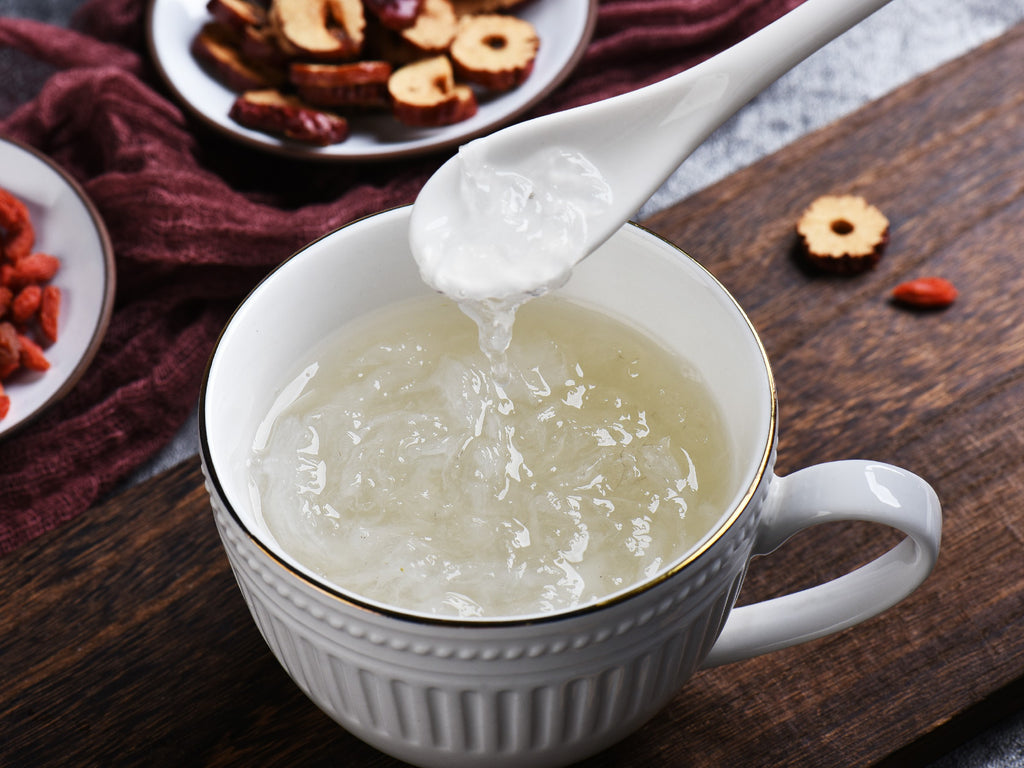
49, 312
926, 293
31, 355
34, 268
10, 358
18, 234
26, 304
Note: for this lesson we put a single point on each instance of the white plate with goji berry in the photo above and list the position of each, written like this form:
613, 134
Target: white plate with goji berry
370, 79
56, 283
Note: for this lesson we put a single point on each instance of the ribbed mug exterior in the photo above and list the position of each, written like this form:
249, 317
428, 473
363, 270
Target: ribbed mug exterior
446, 693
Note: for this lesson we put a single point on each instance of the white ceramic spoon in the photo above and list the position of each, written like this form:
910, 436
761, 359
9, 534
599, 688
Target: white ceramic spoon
624, 148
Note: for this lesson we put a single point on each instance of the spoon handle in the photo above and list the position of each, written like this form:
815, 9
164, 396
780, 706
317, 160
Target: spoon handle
674, 116
741, 72
637, 139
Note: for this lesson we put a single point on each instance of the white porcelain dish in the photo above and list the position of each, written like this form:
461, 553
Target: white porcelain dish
67, 226
564, 27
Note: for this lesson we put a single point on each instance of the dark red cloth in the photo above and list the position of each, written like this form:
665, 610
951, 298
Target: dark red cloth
195, 220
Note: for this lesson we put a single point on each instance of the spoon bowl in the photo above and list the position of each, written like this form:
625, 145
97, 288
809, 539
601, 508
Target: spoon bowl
630, 143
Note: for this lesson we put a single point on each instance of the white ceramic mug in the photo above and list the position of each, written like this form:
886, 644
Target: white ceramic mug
464, 692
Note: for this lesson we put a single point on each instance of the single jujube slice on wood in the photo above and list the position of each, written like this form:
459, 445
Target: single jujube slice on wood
842, 234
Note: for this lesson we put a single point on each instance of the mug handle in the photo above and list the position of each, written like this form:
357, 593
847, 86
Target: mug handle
836, 491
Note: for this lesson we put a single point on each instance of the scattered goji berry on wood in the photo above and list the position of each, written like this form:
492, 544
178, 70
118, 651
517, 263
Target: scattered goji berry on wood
926, 293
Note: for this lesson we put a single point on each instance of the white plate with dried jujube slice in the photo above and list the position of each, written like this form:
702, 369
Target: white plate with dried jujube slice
364, 79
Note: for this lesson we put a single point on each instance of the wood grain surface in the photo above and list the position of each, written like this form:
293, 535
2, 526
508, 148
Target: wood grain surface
124, 640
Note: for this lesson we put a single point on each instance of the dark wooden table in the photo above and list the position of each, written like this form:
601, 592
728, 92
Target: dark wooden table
124, 640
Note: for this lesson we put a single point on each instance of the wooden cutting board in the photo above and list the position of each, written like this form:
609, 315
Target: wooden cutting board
124, 640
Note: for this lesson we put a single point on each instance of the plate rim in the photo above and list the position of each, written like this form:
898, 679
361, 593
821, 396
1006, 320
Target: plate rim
106, 307
298, 151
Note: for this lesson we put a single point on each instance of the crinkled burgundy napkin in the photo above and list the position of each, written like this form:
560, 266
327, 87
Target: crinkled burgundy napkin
196, 221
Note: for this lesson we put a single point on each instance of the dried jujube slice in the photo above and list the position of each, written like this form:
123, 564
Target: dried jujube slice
434, 29
842, 234
494, 51
283, 115
217, 51
468, 7
356, 84
424, 94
